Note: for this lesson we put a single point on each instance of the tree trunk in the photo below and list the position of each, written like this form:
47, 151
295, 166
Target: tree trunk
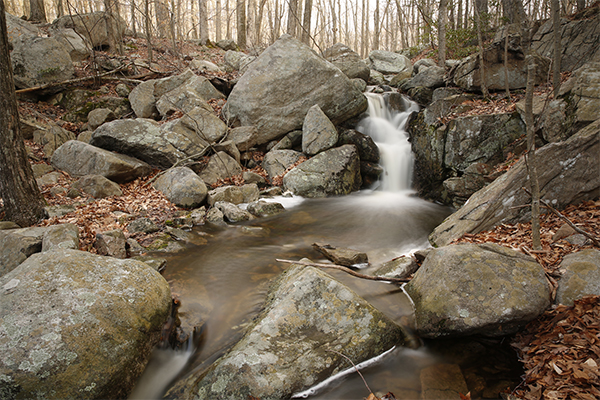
259, 19
250, 20
218, 30
111, 17
442, 22
23, 202
459, 21
60, 10
333, 21
203, 21
306, 22
556, 60
292, 17
241, 23
530, 158
580, 5
276, 23
148, 25
484, 89
376, 26
37, 11
363, 31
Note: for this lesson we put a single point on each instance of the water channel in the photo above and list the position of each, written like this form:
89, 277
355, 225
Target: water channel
222, 283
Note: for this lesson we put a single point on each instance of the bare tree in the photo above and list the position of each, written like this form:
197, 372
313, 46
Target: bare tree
113, 26
292, 17
530, 157
37, 11
306, 22
376, 29
241, 23
218, 30
556, 59
442, 22
23, 202
482, 77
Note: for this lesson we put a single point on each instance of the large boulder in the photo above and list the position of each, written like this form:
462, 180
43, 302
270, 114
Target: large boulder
17, 245
182, 187
567, 173
477, 289
78, 159
287, 349
334, 172
277, 161
91, 26
97, 186
40, 60
77, 46
76, 324
581, 276
388, 62
348, 61
432, 77
579, 39
220, 166
280, 86
18, 29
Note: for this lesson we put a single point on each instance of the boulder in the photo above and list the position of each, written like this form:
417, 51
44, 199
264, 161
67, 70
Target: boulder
145, 225
227, 44
318, 133
579, 39
567, 174
40, 60
348, 61
280, 86
399, 267
582, 95
237, 60
52, 138
51, 178
276, 162
205, 66
18, 30
233, 213
78, 159
80, 324
581, 276
443, 381
191, 94
98, 116
220, 166
263, 208
367, 149
467, 74
230, 194
431, 77
333, 172
204, 124
111, 243
472, 289
91, 26
97, 186
182, 187
445, 101
388, 63
80, 102
287, 349
16, 245
77, 46
61, 236
143, 101
293, 140
41, 169
422, 64
342, 256
244, 137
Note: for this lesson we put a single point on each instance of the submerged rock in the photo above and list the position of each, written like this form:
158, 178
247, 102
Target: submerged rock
288, 349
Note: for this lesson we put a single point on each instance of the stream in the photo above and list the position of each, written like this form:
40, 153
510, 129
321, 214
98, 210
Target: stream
223, 282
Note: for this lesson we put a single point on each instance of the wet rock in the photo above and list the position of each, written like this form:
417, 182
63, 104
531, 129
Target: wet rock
443, 381
342, 256
277, 161
156, 263
97, 186
215, 216
220, 166
581, 276
318, 133
388, 63
477, 289
367, 149
145, 225
79, 159
68, 312
263, 208
62, 236
182, 187
567, 174
330, 173
348, 61
233, 213
400, 267
111, 243
286, 350
280, 86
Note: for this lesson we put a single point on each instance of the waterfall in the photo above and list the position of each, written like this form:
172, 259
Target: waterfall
386, 128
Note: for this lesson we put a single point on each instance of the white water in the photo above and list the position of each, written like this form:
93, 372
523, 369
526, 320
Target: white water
387, 130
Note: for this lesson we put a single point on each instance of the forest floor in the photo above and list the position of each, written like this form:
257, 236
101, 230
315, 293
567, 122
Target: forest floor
559, 350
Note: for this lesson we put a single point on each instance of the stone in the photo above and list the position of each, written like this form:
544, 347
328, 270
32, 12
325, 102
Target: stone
134, 249
156, 263
142, 100
348, 61
471, 289
359, 84
97, 186
19, 29
443, 381
333, 172
16, 245
41, 169
445, 101
79, 159
230, 194
263, 208
38, 61
567, 175
237, 60
431, 77
52, 138
145, 225
111, 243
291, 141
205, 124
399, 267
280, 86
342, 256
62, 236
60, 209
220, 166
215, 216
423, 64
122, 90
303, 304
253, 177
227, 44
91, 26
204, 66
77, 46
67, 311
50, 178
582, 94
228, 147
182, 187
6, 225
318, 133
233, 213
376, 78
367, 149
276, 162
244, 137
99, 116
191, 94
388, 63
580, 276
250, 192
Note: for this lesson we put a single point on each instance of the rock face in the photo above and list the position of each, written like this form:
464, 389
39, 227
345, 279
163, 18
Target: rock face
477, 289
568, 173
78, 159
389, 63
348, 61
333, 172
40, 60
280, 86
286, 350
579, 40
318, 133
581, 276
182, 187
77, 324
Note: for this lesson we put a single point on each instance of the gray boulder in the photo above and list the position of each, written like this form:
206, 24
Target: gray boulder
62, 236
97, 186
91, 26
77, 46
40, 60
67, 310
477, 289
263, 208
182, 187
280, 86
99, 116
227, 44
318, 133
293, 140
145, 225
233, 213
367, 149
18, 30
581, 276
277, 161
400, 267
567, 173
233, 194
52, 138
431, 77
422, 64
220, 166
244, 137
78, 159
287, 348
333, 172
389, 63
111, 243
348, 61
237, 60
16, 245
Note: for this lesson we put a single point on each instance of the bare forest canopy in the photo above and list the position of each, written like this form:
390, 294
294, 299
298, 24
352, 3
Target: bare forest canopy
364, 25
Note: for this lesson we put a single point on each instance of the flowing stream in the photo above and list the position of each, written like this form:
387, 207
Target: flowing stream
223, 283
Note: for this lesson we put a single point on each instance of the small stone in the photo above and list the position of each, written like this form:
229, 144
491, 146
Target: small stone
111, 243
8, 225
263, 208
122, 90
145, 225
134, 248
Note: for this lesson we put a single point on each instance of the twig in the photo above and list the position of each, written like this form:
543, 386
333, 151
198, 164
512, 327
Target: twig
357, 371
593, 238
347, 270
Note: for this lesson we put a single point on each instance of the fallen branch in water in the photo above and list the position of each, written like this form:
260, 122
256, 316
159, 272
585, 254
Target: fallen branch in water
347, 270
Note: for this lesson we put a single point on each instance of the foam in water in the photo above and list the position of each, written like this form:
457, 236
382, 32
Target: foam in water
387, 131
